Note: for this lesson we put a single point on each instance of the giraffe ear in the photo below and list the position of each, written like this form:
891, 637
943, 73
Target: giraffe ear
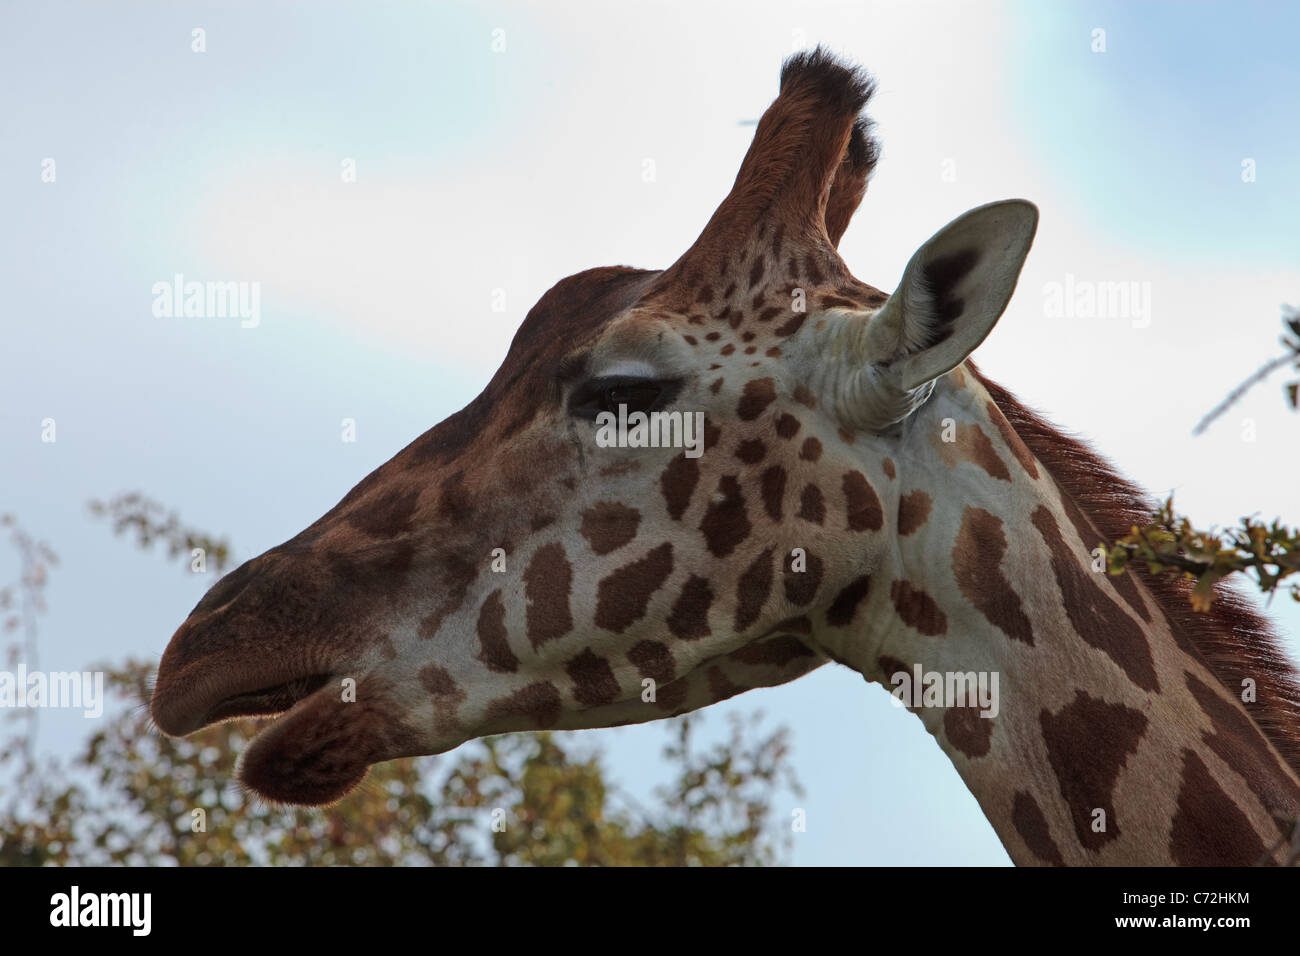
954, 290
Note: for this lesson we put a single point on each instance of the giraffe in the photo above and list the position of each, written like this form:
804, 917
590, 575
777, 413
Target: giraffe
865, 496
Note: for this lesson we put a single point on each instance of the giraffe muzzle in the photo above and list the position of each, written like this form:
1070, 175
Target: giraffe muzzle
178, 711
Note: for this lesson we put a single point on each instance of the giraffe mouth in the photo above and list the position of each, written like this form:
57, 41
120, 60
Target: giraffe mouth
266, 701
315, 751
183, 705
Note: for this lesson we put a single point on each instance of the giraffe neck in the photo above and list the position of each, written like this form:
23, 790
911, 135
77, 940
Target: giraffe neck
1109, 740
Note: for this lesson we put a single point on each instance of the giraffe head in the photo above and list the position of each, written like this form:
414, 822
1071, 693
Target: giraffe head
512, 569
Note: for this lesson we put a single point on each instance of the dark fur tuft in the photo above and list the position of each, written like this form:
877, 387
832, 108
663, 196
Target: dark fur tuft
864, 149
840, 87
844, 89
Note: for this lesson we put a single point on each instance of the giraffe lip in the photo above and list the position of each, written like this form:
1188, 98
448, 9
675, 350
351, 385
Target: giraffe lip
265, 701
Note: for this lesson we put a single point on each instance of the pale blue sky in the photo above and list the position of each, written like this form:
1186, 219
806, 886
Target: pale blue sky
480, 171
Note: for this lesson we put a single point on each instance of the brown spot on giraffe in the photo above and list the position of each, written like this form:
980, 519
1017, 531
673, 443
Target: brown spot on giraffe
811, 506
811, 450
1092, 539
845, 605
1027, 817
538, 702
751, 451
446, 693
623, 595
773, 652
1209, 829
753, 589
861, 504
972, 445
791, 325
772, 489
494, 647
678, 484
547, 583
1237, 742
967, 731
689, 618
801, 586
1095, 617
889, 666
1087, 776
608, 525
720, 686
725, 523
652, 659
669, 697
755, 397
1014, 442
917, 609
887, 465
913, 509
593, 679
787, 426
977, 568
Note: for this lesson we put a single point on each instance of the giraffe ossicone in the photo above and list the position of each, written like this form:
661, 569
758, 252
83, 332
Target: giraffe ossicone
864, 496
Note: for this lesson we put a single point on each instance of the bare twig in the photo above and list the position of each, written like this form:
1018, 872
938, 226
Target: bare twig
1235, 395
1290, 319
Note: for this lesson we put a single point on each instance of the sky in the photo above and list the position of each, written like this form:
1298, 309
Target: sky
498, 147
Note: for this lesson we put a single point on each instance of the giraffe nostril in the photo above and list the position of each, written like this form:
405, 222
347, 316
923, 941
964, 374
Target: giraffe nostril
228, 588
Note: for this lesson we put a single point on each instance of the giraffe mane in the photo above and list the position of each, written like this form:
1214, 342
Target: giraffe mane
1236, 641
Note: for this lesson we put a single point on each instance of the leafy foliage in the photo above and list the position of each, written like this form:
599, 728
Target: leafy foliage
150, 522
1170, 544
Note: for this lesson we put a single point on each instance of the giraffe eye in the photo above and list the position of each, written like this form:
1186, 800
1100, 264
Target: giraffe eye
607, 394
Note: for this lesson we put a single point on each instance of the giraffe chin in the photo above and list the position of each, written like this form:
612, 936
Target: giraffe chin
315, 754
